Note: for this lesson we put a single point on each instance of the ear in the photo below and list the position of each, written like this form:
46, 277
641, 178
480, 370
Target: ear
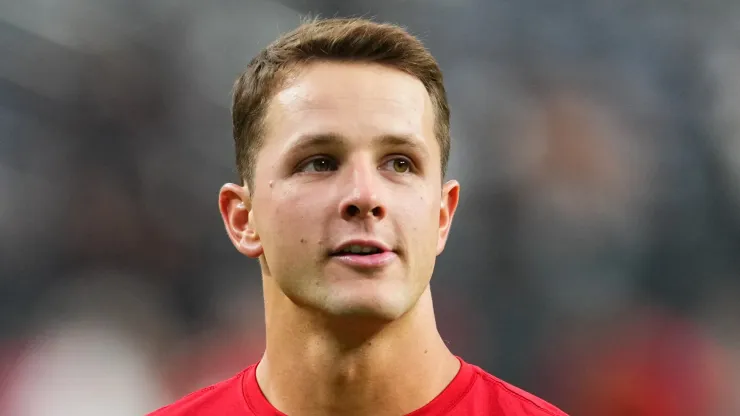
235, 205
450, 198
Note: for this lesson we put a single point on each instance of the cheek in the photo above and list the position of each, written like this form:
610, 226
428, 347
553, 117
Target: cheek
292, 220
421, 218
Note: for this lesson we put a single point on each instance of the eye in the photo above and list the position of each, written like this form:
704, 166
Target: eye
398, 165
318, 164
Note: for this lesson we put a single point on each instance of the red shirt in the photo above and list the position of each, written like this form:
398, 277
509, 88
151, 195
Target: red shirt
471, 392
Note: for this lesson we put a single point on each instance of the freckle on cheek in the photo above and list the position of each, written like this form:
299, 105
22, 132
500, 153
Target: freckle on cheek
303, 240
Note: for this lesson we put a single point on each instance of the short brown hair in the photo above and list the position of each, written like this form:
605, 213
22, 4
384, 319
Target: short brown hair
352, 40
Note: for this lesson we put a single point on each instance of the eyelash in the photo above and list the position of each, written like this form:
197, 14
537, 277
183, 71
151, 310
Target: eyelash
306, 163
303, 165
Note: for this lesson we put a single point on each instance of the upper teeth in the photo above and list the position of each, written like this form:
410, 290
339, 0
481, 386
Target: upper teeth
357, 249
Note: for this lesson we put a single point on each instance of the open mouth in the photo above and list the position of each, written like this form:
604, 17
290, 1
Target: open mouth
358, 250
365, 255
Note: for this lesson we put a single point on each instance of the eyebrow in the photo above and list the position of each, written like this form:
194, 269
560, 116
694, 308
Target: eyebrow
412, 142
310, 141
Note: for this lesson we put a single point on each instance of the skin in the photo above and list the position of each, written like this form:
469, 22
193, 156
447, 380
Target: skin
350, 153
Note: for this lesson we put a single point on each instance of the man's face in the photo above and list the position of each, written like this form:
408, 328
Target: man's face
350, 163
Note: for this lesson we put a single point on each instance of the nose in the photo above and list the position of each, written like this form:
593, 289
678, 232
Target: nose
361, 199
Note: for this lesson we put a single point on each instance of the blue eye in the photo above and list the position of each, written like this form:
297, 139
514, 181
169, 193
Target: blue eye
318, 164
398, 165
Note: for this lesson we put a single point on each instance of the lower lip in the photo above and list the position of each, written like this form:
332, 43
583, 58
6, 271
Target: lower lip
368, 261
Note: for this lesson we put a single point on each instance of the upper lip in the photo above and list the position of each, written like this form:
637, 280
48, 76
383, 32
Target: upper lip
365, 243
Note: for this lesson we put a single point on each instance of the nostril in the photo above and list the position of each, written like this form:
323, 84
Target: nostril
353, 210
377, 211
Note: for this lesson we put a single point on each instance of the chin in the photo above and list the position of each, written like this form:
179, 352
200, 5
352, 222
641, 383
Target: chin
380, 299
361, 310
384, 304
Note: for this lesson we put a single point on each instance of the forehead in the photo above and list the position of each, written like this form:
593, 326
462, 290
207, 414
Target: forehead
354, 100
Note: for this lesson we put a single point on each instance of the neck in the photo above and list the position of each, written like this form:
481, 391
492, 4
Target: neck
316, 365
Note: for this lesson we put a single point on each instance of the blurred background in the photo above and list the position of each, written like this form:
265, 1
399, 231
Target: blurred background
593, 259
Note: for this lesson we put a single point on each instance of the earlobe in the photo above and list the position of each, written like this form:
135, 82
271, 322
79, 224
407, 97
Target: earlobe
448, 206
235, 205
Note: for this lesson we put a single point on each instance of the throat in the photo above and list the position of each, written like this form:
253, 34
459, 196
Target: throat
376, 379
358, 385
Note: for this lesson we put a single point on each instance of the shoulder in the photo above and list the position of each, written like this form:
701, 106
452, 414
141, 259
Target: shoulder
222, 399
510, 399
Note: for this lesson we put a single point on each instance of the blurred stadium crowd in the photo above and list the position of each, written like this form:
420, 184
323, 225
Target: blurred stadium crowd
594, 259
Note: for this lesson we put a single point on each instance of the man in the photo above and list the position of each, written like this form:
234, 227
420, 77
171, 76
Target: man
342, 140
